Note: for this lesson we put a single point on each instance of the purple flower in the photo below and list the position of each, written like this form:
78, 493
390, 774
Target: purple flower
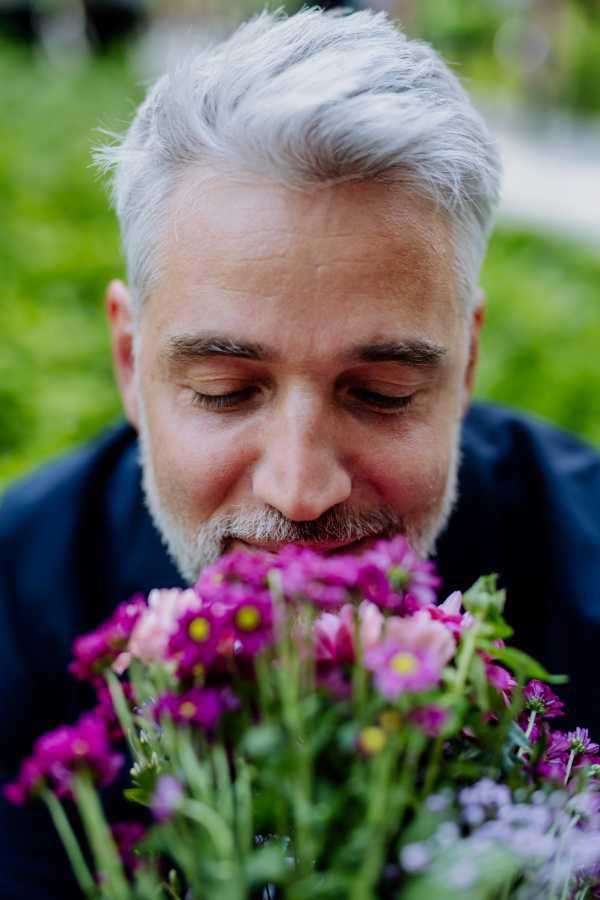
398, 668
580, 742
324, 580
84, 746
166, 797
238, 567
58, 754
405, 573
30, 780
198, 706
429, 719
195, 642
96, 650
126, 835
540, 699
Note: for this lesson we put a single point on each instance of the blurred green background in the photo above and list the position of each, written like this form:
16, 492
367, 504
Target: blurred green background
59, 242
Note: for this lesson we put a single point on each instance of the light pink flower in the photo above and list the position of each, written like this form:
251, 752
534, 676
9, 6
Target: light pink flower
334, 633
451, 615
421, 632
153, 630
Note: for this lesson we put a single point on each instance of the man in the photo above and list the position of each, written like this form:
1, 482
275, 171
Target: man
304, 211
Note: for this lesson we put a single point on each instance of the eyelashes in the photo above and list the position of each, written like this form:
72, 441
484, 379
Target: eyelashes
223, 401
237, 399
381, 401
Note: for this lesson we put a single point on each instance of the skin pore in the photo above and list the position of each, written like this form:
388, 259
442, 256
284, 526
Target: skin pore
303, 351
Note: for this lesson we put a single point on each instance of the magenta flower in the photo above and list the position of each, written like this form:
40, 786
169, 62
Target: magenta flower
429, 719
250, 617
194, 644
238, 567
398, 667
30, 780
404, 571
98, 649
580, 742
540, 699
197, 706
126, 835
324, 580
84, 746
553, 766
166, 796
57, 755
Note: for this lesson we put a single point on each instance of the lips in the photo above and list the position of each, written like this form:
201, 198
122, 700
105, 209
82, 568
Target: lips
330, 547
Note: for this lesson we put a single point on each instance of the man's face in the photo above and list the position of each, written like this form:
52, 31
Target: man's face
304, 353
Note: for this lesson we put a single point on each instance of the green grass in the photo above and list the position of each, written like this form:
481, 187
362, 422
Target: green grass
59, 247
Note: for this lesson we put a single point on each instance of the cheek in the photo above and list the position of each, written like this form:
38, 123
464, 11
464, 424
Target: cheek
410, 472
198, 466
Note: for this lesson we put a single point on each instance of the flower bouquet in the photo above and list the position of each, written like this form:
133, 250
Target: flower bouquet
304, 726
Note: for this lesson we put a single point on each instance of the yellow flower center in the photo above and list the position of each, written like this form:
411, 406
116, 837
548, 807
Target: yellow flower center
199, 629
80, 747
188, 710
373, 739
247, 618
404, 663
198, 670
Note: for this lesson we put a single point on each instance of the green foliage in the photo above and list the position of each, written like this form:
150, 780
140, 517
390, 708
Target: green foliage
59, 246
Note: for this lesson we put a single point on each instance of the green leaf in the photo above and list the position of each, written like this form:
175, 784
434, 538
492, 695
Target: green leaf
518, 660
484, 597
137, 795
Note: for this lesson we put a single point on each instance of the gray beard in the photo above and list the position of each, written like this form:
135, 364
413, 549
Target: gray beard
193, 551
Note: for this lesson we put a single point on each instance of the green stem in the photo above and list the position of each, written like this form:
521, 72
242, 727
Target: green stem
433, 766
71, 845
466, 654
569, 765
530, 725
122, 710
98, 834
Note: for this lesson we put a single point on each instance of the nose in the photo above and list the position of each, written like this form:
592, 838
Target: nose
301, 472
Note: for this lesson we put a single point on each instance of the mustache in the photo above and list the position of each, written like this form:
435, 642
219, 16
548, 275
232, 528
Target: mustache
340, 523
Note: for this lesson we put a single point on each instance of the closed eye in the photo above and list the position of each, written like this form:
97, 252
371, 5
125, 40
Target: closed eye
381, 402
215, 402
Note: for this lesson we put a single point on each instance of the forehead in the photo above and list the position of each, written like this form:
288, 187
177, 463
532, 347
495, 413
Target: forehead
318, 266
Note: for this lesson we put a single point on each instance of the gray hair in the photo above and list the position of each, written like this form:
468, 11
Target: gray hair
313, 99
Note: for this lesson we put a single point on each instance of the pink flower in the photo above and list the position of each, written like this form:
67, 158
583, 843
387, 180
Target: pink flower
324, 580
405, 573
96, 650
420, 632
198, 706
334, 633
553, 765
398, 668
153, 630
450, 614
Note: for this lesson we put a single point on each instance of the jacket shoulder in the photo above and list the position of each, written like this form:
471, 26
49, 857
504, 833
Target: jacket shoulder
52, 496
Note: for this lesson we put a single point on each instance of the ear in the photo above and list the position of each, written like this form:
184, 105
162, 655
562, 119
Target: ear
477, 321
119, 309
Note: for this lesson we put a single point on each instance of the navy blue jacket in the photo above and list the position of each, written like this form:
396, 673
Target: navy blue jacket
75, 540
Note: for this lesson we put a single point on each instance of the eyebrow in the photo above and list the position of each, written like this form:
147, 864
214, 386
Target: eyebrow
421, 354
184, 349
